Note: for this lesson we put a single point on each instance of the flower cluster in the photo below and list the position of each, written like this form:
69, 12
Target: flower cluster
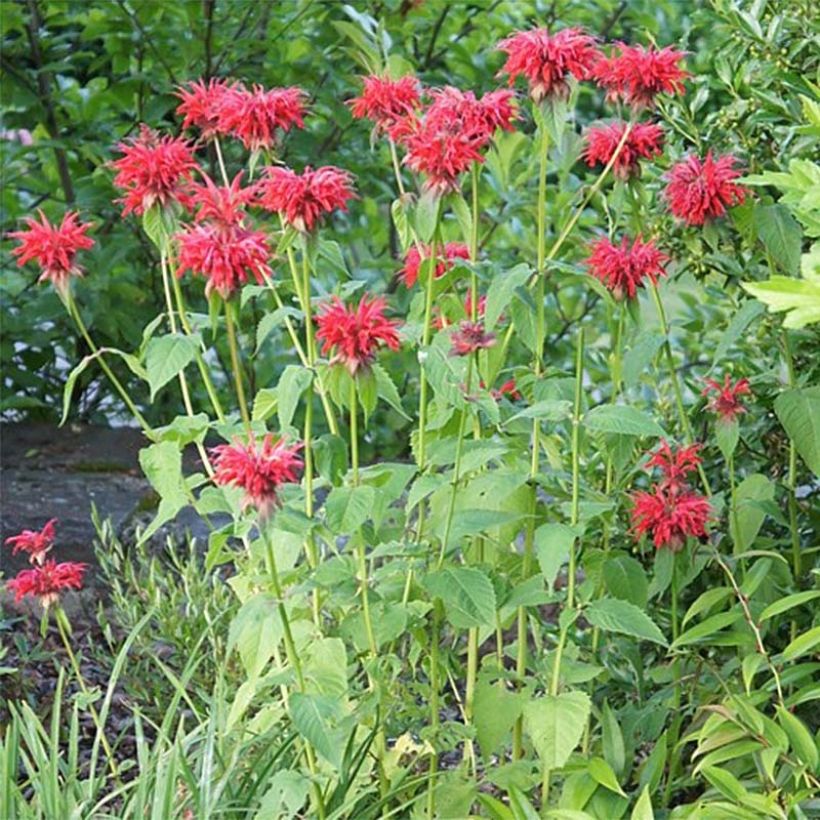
413, 258
644, 141
386, 102
726, 403
624, 268
470, 337
671, 511
702, 189
35, 543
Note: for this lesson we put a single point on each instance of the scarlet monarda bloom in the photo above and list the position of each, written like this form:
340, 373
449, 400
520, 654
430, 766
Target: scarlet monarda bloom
698, 190
469, 338
412, 261
645, 140
152, 170
302, 199
202, 103
258, 470
548, 60
509, 389
637, 75
219, 204
726, 402
225, 256
354, 335
675, 464
53, 248
624, 268
480, 308
386, 101
46, 582
35, 543
670, 516
254, 116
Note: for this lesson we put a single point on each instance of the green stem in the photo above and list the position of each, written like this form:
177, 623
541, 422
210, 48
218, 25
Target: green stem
674, 729
396, 167
797, 567
435, 639
475, 173
236, 366
221, 162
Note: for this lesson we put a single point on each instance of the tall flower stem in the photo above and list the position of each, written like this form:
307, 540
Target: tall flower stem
673, 375
475, 176
236, 366
674, 731
73, 311
394, 157
529, 535
797, 568
220, 160
292, 653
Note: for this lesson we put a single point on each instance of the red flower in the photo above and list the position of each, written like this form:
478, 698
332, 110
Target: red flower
36, 544
220, 204
624, 269
703, 189
386, 101
53, 248
201, 104
354, 334
509, 388
152, 170
727, 403
225, 256
303, 199
254, 115
413, 259
670, 516
547, 60
637, 74
259, 471
674, 464
469, 338
46, 582
481, 307
645, 141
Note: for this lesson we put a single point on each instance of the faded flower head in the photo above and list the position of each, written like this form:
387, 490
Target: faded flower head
48, 581
255, 115
699, 190
354, 334
726, 403
644, 141
670, 516
258, 469
53, 248
412, 260
386, 101
35, 543
469, 338
548, 60
624, 268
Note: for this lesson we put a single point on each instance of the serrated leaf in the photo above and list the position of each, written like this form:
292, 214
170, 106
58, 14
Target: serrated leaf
781, 234
347, 508
749, 494
799, 413
166, 356
387, 390
467, 594
622, 419
162, 465
553, 542
293, 382
316, 719
640, 356
501, 291
555, 725
614, 615
625, 578
496, 710
270, 321
255, 632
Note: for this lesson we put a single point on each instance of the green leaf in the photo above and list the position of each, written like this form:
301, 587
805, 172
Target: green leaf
495, 710
614, 615
294, 380
799, 413
753, 490
501, 290
555, 725
264, 404
426, 216
475, 522
601, 772
286, 793
727, 784
787, 603
640, 356
547, 410
613, 740
270, 321
727, 433
781, 234
705, 601
467, 593
184, 429
802, 644
740, 321
625, 578
255, 632
387, 390
643, 807
330, 453
707, 628
623, 419
166, 356
800, 738
347, 508
162, 465
399, 214
552, 545
800, 298
315, 718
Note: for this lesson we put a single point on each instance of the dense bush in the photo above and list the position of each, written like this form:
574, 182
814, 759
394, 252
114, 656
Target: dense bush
535, 531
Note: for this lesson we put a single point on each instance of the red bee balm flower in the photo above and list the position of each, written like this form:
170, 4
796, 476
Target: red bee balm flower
470, 337
259, 471
225, 256
219, 204
703, 189
254, 115
202, 103
302, 199
670, 516
674, 464
645, 141
152, 170
412, 261
53, 248
727, 404
548, 60
623, 269
386, 101
36, 544
637, 74
47, 581
354, 335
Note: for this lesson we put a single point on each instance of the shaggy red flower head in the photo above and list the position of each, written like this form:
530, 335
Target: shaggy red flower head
223, 205
670, 517
386, 101
623, 268
254, 115
469, 338
201, 104
645, 141
698, 189
412, 261
258, 470
726, 403
226, 257
153, 170
548, 60
509, 388
35, 543
53, 248
354, 335
48, 581
675, 465
302, 199
637, 75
